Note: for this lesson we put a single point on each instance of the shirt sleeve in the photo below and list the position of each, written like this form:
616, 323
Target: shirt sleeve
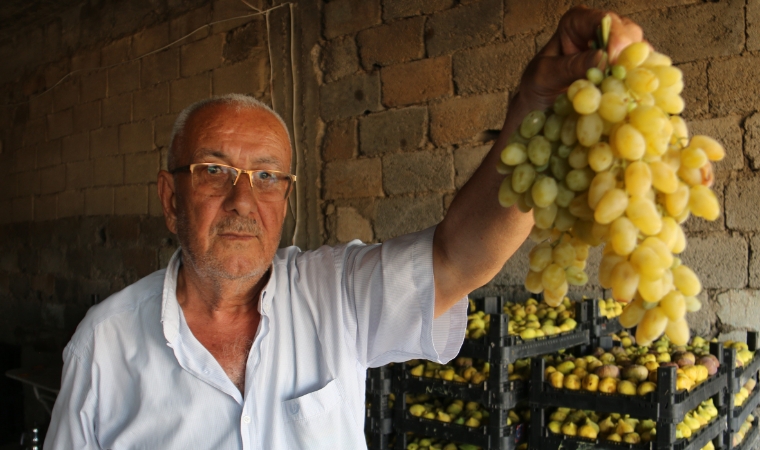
72, 425
392, 290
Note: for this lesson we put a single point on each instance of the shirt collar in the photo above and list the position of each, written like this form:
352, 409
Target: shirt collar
170, 312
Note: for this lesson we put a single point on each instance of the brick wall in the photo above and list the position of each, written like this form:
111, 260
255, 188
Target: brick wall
80, 153
407, 87
392, 101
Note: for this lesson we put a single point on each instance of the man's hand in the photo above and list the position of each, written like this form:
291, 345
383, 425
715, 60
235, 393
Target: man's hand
568, 54
477, 236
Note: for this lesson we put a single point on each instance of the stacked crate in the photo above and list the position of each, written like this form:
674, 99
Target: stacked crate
497, 394
738, 377
666, 406
378, 425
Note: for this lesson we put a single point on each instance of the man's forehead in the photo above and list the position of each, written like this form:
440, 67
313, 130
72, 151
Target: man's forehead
209, 128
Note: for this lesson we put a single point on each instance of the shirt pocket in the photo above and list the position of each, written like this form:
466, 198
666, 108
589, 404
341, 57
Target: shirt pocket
321, 420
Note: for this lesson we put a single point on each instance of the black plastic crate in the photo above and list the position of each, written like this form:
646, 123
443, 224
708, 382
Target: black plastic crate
750, 439
376, 440
494, 436
543, 439
378, 390
489, 438
499, 346
741, 375
519, 434
739, 414
664, 404
598, 324
497, 391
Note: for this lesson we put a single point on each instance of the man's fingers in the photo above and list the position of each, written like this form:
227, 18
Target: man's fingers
623, 32
575, 66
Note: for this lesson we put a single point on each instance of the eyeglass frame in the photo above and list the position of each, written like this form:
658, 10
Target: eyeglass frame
290, 176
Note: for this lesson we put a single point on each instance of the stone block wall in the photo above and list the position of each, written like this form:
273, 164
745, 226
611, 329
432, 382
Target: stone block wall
408, 88
394, 106
84, 131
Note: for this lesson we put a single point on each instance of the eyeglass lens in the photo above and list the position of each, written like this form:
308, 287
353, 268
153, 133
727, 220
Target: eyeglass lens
218, 180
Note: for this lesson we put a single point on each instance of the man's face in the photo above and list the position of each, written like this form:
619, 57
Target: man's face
233, 236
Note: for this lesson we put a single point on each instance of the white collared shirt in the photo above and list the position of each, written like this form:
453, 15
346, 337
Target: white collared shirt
135, 377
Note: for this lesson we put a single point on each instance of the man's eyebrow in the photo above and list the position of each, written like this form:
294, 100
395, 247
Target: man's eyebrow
206, 152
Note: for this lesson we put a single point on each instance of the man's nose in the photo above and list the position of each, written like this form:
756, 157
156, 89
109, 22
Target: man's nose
242, 197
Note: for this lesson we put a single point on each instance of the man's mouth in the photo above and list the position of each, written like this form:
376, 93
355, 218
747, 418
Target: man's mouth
236, 236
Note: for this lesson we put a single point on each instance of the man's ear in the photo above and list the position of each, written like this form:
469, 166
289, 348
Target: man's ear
168, 196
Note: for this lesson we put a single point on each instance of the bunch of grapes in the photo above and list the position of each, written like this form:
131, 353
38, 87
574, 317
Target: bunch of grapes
612, 164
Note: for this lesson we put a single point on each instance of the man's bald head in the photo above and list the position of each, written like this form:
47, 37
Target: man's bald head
237, 101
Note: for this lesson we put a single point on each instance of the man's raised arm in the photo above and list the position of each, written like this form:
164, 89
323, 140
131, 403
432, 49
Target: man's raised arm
477, 236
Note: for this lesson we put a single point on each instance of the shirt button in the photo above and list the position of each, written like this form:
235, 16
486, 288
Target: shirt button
246, 419
206, 371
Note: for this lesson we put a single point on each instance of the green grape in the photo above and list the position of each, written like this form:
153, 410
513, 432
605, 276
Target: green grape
553, 277
563, 151
579, 207
576, 276
633, 55
564, 195
562, 105
629, 142
589, 129
563, 254
544, 191
540, 257
647, 263
703, 202
618, 71
602, 183
552, 127
712, 148
664, 178
677, 202
507, 195
532, 124
612, 205
656, 59
544, 217
623, 235
638, 178
668, 75
564, 220
624, 281
600, 156
522, 205
595, 75
568, 134
539, 150
579, 179
643, 213
611, 84
522, 177
613, 107
669, 102
575, 87
533, 282
648, 119
642, 81
559, 167
693, 157
586, 100
539, 235
578, 158
514, 154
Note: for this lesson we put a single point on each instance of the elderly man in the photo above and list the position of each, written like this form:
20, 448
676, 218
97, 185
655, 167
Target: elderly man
237, 344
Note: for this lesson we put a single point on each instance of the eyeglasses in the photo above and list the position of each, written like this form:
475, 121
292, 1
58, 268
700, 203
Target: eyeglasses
218, 179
